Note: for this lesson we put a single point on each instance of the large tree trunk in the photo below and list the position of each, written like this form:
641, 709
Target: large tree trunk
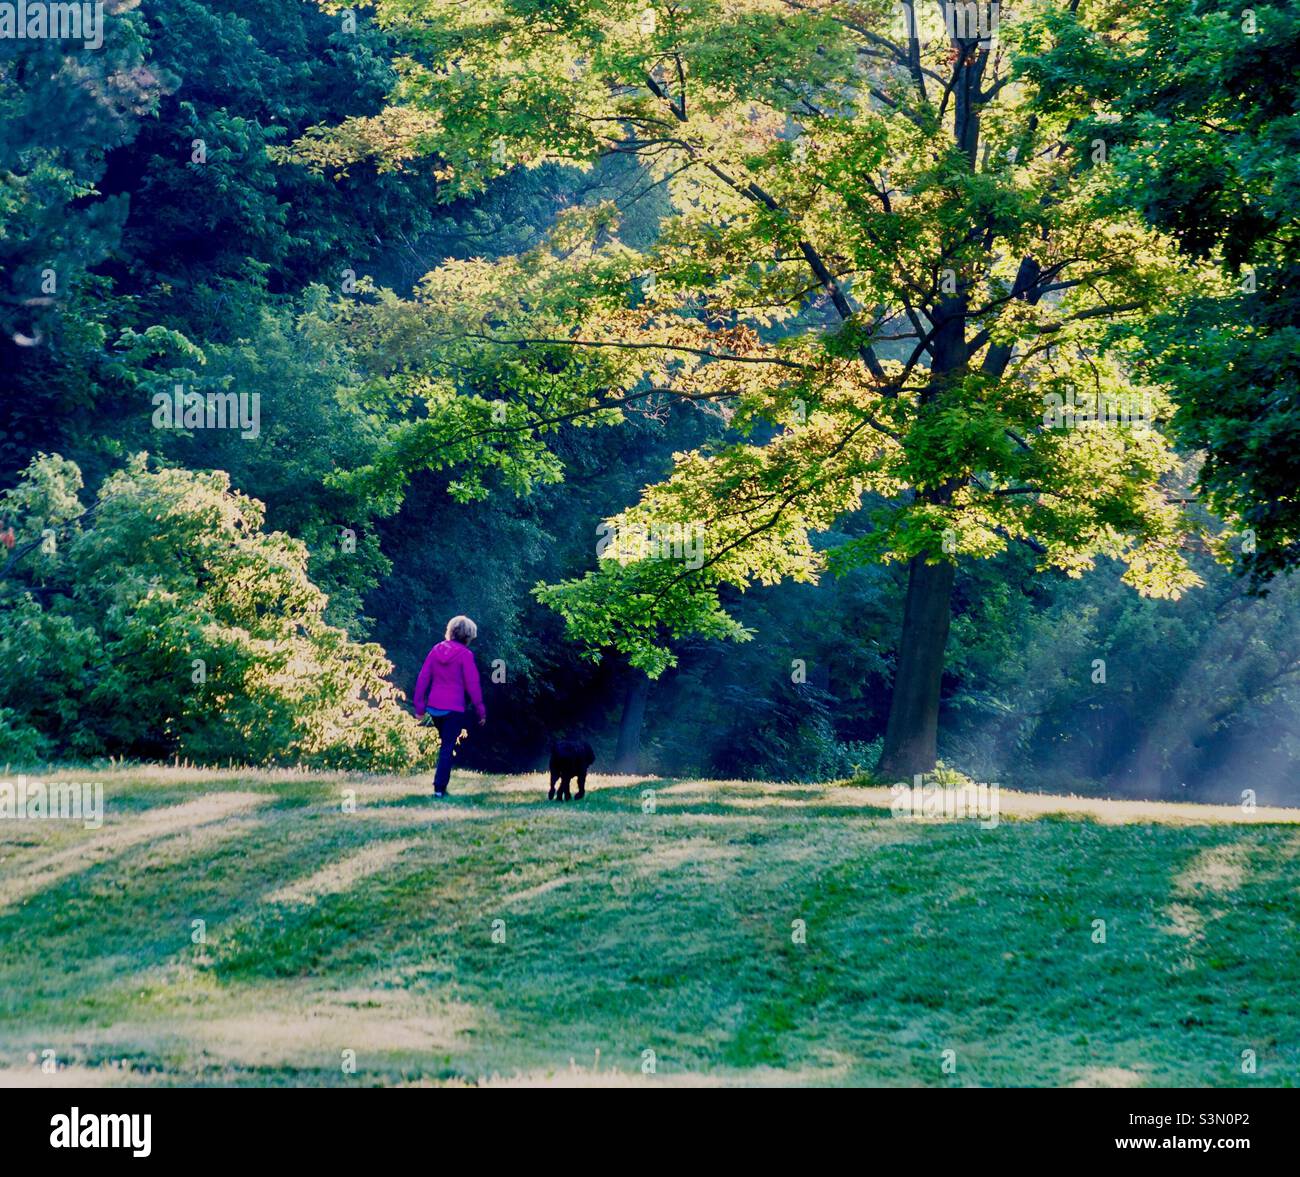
912, 733
627, 757
911, 736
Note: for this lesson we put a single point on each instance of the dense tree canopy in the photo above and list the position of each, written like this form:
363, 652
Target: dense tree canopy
1206, 103
967, 263
620, 325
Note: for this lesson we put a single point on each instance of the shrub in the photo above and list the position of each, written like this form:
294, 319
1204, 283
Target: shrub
166, 622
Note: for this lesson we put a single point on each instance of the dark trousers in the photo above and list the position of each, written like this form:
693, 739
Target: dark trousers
449, 728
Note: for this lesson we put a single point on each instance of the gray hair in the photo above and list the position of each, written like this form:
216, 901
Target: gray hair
461, 629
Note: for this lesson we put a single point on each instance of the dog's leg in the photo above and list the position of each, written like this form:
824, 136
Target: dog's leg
555, 776
582, 783
564, 788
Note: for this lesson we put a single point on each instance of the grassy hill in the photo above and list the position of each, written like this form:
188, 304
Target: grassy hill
627, 931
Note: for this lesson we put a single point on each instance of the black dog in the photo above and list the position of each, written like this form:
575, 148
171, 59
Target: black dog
569, 758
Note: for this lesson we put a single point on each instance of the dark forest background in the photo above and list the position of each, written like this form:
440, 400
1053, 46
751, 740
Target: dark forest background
150, 238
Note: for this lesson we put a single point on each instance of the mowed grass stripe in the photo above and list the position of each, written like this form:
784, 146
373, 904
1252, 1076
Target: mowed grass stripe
620, 932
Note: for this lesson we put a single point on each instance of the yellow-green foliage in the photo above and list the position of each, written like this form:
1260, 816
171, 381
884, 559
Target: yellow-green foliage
881, 265
165, 622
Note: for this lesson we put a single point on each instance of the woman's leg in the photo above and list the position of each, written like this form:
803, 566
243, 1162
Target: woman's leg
449, 727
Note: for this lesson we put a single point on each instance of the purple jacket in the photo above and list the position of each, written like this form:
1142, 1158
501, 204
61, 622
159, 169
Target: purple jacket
446, 678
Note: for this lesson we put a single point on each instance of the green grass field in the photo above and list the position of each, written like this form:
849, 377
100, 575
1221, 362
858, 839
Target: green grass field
627, 931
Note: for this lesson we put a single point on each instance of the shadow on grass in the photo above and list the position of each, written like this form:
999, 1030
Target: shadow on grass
738, 932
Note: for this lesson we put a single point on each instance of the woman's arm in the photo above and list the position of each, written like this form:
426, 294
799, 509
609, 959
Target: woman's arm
472, 685
422, 684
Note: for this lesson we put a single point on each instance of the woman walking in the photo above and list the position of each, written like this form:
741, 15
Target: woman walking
448, 681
